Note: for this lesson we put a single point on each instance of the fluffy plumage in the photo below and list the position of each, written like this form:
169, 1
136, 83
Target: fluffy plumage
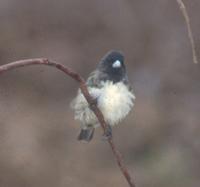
109, 86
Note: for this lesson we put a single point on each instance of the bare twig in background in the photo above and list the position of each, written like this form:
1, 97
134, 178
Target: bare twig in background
83, 87
190, 35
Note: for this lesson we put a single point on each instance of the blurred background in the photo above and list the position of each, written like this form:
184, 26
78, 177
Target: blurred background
159, 140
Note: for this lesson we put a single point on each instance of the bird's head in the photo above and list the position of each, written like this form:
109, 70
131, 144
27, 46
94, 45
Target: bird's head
112, 66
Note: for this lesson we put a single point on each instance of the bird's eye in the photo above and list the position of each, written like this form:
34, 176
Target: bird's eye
116, 64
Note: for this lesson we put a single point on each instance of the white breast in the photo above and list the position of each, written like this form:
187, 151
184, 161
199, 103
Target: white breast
115, 102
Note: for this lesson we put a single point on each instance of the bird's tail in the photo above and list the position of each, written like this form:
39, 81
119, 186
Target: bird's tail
86, 134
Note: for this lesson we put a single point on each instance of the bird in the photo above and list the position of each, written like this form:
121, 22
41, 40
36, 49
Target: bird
110, 88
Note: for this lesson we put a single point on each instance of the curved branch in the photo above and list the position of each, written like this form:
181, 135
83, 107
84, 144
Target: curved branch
190, 35
83, 87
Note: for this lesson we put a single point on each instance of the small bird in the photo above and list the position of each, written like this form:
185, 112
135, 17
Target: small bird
109, 86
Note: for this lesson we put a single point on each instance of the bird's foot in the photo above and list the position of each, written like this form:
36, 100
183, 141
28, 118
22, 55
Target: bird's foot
93, 103
108, 133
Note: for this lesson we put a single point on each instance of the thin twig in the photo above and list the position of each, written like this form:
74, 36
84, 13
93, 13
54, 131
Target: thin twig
190, 35
83, 87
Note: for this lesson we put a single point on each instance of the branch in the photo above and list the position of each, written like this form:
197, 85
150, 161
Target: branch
190, 35
83, 87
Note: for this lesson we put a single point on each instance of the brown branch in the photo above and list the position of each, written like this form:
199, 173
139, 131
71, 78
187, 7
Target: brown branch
83, 87
190, 35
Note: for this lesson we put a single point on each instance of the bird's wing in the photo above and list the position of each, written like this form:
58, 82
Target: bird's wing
126, 82
130, 88
94, 80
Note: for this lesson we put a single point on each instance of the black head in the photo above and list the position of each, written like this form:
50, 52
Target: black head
112, 67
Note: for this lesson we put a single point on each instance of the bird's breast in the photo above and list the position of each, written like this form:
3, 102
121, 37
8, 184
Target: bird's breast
115, 101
